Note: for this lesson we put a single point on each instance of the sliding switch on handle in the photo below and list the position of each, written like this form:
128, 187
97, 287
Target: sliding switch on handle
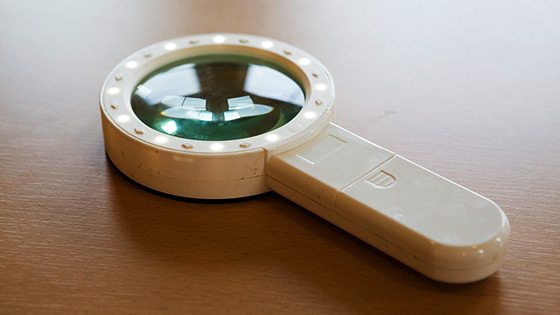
433, 225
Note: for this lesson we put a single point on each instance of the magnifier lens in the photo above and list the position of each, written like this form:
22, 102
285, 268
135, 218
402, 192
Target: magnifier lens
218, 97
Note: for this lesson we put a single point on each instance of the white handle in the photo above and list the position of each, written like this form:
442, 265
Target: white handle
435, 226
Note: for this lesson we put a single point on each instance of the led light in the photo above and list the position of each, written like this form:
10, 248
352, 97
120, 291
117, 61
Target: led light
267, 44
131, 64
321, 86
218, 39
161, 139
272, 138
170, 46
304, 61
310, 115
113, 90
217, 146
123, 118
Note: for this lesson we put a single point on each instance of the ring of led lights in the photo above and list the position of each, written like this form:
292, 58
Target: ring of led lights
207, 169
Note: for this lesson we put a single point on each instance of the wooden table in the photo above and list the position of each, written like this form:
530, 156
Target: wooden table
468, 89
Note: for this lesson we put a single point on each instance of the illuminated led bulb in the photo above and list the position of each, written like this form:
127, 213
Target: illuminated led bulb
113, 90
219, 39
131, 64
321, 86
267, 44
123, 118
272, 137
161, 139
217, 146
304, 61
170, 46
310, 115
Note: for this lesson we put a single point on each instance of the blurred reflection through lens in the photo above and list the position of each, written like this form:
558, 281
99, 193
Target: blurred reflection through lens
218, 97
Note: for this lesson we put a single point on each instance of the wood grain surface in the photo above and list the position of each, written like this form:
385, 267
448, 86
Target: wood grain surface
469, 89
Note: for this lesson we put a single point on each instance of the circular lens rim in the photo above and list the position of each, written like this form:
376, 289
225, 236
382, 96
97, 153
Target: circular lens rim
317, 85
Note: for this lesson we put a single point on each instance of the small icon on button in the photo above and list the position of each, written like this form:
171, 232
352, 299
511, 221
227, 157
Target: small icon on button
382, 179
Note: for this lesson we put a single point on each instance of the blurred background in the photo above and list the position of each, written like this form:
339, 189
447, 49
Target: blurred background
469, 90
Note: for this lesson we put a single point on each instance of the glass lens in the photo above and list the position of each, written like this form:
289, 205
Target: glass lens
218, 97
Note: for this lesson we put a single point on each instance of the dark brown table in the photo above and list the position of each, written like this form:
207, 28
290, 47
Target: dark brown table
468, 89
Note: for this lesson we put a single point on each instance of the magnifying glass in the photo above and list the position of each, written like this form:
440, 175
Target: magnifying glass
220, 116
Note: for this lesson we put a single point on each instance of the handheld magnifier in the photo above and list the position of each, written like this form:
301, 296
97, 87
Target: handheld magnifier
221, 116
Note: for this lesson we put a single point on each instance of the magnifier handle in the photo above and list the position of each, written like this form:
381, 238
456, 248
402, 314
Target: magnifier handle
430, 223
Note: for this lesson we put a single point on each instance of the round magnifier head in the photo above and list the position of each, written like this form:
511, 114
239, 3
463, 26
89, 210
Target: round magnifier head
218, 97
200, 116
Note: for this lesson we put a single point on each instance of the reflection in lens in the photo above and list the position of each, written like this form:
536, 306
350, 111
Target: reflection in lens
218, 97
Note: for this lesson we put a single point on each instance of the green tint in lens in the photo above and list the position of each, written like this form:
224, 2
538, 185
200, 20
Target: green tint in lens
218, 97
